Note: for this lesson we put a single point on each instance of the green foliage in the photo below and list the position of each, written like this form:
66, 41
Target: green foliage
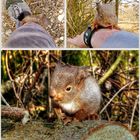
4, 75
79, 58
15, 61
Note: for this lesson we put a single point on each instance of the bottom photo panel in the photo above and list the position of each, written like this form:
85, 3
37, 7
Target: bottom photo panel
69, 95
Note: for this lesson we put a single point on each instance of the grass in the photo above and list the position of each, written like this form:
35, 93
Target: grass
80, 14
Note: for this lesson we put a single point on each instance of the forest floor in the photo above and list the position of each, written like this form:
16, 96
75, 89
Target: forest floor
54, 11
41, 130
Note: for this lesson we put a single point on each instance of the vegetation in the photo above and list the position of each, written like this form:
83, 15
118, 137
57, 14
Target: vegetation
24, 78
80, 14
116, 72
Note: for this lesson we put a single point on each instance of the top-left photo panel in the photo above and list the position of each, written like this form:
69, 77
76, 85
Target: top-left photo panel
33, 24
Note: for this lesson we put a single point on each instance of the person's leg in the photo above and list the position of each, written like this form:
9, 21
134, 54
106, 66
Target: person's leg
30, 34
17, 9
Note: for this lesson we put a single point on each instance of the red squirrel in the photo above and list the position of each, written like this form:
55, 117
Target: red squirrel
106, 16
76, 93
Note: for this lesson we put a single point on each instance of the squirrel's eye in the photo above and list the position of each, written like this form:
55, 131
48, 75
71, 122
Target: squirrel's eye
68, 88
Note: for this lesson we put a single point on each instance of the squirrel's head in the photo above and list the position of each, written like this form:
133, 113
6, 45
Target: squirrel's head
106, 14
66, 85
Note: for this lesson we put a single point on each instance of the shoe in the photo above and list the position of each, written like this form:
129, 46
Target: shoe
16, 7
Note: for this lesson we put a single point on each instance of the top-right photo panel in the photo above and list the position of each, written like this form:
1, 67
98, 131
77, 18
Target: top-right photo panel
103, 24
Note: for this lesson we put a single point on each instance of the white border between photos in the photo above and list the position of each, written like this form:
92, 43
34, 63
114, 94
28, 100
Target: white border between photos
1, 24
65, 24
139, 69
94, 49
0, 93
0, 57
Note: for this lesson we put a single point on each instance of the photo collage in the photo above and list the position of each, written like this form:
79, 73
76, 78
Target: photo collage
69, 69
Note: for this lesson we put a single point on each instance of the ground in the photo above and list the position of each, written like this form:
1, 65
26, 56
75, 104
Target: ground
54, 10
42, 130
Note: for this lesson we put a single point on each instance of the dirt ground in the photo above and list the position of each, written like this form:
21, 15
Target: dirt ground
54, 11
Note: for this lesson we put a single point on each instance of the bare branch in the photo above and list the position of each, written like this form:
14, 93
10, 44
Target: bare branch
3, 99
13, 84
133, 113
130, 83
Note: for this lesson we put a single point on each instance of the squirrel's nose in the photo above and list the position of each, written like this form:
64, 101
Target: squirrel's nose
52, 93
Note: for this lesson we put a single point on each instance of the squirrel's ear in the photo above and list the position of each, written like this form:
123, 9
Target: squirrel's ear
98, 7
59, 64
82, 74
112, 4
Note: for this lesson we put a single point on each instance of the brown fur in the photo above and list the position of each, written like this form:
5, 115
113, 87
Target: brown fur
82, 101
106, 16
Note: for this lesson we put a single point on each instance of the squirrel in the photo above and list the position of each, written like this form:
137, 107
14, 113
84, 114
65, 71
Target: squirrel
26, 17
106, 16
76, 93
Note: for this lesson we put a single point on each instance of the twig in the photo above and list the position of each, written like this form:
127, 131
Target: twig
31, 65
3, 99
127, 22
30, 94
91, 62
116, 95
12, 112
133, 113
112, 68
22, 84
55, 57
14, 88
107, 115
49, 99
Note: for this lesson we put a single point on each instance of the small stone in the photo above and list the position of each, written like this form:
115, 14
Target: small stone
8, 32
61, 17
